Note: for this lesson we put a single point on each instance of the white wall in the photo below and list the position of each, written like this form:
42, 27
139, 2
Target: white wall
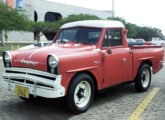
64, 9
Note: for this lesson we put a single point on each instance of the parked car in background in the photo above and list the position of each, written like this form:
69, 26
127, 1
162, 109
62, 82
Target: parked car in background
155, 42
148, 43
162, 42
143, 42
41, 44
132, 41
140, 41
158, 42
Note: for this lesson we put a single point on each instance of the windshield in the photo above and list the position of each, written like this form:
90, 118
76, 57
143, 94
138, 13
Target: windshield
79, 35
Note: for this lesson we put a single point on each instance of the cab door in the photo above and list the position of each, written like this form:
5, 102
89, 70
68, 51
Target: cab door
114, 63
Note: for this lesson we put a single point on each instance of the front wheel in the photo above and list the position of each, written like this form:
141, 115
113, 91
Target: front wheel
80, 93
143, 79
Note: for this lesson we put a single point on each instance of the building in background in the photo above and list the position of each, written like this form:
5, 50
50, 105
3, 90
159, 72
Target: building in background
10, 3
42, 10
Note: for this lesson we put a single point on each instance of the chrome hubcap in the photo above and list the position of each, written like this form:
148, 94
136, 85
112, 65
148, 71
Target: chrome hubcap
82, 94
145, 78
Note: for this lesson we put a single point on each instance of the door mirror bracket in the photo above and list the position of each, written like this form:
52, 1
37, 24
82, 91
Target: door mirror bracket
109, 51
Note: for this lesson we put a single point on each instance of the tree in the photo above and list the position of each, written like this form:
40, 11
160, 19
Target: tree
80, 17
147, 33
53, 27
44, 27
12, 19
129, 26
135, 31
132, 33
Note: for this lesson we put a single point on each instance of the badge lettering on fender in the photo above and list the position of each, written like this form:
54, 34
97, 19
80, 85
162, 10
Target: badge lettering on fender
97, 62
28, 63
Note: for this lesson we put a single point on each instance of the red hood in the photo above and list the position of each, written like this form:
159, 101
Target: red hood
39, 55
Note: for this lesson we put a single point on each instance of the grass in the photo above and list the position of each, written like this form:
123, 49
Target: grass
11, 46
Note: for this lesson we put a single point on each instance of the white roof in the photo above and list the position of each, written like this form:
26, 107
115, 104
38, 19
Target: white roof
95, 23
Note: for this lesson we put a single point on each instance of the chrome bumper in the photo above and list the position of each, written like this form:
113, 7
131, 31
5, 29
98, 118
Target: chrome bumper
40, 83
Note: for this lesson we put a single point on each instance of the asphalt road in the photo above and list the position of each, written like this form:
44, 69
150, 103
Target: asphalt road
116, 104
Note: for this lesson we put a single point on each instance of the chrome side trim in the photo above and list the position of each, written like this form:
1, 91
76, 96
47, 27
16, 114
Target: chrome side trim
98, 50
28, 70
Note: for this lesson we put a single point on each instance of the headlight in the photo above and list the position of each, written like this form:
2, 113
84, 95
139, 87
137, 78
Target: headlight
53, 64
7, 59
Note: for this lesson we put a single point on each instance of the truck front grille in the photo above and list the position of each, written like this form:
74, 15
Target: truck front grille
30, 77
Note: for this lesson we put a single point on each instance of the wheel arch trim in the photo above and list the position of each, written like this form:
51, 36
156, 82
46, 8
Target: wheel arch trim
91, 74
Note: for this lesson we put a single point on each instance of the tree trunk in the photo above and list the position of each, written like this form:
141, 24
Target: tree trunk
2, 38
38, 35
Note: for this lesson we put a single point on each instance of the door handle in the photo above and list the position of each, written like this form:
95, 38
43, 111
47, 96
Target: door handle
130, 51
124, 60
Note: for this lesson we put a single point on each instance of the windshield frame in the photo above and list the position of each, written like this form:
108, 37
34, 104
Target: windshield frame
58, 33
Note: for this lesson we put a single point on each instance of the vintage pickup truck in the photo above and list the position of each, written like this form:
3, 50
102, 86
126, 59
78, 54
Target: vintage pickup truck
85, 57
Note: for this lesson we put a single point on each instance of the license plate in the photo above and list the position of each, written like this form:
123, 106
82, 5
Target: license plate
22, 91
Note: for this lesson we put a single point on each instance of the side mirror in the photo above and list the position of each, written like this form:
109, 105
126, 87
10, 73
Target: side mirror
125, 31
109, 51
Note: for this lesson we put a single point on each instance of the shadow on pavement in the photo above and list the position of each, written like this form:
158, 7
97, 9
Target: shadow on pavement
49, 109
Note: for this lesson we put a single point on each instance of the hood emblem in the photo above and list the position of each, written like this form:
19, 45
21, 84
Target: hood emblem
28, 63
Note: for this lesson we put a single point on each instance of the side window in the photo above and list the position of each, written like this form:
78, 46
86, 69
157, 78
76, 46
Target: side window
93, 37
115, 37
105, 41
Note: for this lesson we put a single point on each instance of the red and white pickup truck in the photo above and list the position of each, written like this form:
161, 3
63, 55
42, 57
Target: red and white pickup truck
84, 58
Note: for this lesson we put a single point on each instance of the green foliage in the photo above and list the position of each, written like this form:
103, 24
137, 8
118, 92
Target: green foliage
131, 27
55, 26
132, 30
44, 26
147, 33
135, 31
79, 17
12, 19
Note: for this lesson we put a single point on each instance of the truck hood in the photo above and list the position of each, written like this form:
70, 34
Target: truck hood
37, 58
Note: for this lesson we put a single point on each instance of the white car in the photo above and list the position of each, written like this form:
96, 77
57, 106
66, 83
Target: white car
162, 42
158, 42
130, 40
41, 44
140, 40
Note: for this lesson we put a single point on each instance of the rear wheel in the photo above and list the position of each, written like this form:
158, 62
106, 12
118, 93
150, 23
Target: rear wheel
143, 79
80, 93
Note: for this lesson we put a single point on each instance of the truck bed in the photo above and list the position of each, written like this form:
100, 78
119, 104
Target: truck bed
149, 53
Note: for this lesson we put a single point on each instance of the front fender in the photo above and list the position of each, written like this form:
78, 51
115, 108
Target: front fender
70, 65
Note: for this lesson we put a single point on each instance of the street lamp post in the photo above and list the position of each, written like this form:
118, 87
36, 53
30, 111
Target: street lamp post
113, 12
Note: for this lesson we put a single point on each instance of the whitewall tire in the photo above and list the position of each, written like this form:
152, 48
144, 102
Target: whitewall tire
80, 93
